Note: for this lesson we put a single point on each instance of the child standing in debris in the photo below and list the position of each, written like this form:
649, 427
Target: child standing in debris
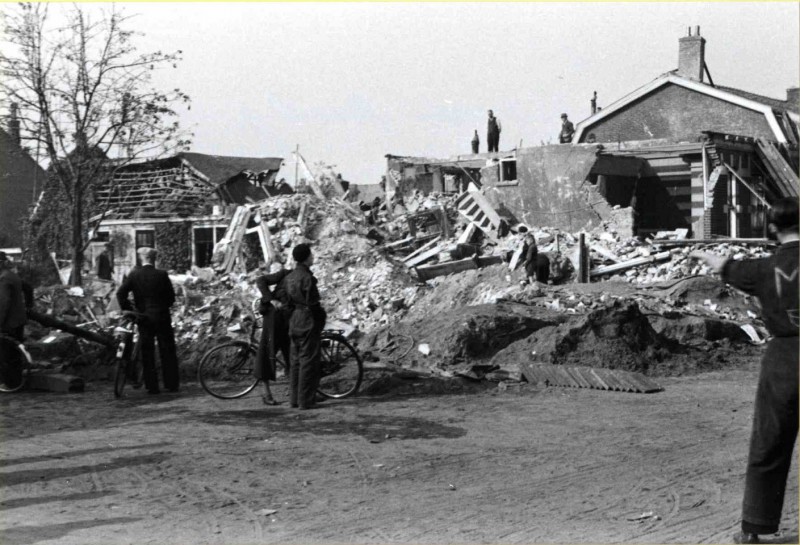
275, 330
774, 280
305, 327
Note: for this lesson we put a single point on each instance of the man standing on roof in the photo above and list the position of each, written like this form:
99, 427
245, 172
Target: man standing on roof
153, 295
305, 327
774, 280
567, 130
476, 142
493, 129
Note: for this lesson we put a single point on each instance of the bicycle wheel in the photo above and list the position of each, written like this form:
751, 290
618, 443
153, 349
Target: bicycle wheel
15, 365
226, 371
342, 368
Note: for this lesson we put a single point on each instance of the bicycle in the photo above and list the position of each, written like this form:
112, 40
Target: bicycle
13, 353
129, 365
226, 371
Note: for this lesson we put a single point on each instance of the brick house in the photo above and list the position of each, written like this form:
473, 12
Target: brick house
21, 181
721, 154
180, 205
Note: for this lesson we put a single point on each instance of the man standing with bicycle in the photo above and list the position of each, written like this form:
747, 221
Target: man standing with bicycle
15, 296
275, 329
153, 295
305, 327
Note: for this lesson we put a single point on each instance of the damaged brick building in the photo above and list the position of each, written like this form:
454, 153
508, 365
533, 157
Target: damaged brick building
678, 152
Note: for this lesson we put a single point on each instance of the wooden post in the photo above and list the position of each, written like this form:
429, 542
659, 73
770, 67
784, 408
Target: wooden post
583, 260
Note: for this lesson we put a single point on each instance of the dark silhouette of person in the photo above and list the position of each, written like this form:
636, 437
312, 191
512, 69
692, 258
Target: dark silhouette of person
774, 281
493, 129
476, 142
153, 296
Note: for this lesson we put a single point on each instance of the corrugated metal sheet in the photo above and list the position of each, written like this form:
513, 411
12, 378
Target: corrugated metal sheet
589, 377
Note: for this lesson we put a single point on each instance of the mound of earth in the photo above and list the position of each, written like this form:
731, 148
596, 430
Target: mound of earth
472, 333
615, 337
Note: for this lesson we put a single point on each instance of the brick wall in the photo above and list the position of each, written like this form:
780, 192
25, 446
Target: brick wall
675, 112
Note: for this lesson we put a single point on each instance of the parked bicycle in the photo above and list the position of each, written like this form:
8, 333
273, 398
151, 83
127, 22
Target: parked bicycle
129, 363
14, 355
227, 370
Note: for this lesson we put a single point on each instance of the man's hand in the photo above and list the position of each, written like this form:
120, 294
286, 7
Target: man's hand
715, 262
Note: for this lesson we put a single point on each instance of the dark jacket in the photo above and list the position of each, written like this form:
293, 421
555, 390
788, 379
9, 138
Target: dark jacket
267, 295
530, 251
774, 281
15, 296
303, 297
152, 292
104, 267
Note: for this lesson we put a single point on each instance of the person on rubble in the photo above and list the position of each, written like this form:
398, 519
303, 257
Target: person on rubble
103, 264
476, 142
774, 280
16, 296
275, 330
530, 252
567, 130
153, 296
305, 327
493, 130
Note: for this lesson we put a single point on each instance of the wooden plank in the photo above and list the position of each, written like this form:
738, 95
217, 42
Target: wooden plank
603, 384
468, 233
663, 256
603, 252
425, 256
516, 257
582, 382
56, 382
421, 249
426, 272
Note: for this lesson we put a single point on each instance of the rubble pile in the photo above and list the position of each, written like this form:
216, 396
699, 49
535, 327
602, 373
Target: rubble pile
358, 283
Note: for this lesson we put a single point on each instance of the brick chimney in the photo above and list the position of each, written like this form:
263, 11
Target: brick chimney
793, 98
13, 124
691, 55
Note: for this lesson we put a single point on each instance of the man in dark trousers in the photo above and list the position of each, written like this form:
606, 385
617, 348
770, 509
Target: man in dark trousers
493, 129
153, 295
275, 331
16, 296
567, 130
530, 254
305, 327
476, 142
104, 266
774, 281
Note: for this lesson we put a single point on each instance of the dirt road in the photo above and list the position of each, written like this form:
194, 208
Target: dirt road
524, 465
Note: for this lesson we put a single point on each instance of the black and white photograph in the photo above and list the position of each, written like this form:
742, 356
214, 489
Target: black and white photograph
455, 273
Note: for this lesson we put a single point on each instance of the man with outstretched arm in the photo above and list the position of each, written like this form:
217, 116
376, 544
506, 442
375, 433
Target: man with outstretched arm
275, 329
774, 281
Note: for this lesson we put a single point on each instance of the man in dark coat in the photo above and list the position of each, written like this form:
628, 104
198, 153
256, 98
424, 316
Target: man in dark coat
275, 330
104, 266
493, 130
530, 253
305, 327
15, 296
774, 280
153, 295
567, 130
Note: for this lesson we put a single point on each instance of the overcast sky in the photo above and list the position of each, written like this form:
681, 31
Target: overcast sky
352, 82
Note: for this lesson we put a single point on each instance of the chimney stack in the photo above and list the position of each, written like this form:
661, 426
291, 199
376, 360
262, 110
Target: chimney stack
691, 55
13, 124
793, 98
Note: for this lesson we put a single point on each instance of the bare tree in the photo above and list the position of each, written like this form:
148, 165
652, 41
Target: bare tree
85, 96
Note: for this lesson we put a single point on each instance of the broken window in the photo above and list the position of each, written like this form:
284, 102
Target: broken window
507, 171
144, 239
205, 238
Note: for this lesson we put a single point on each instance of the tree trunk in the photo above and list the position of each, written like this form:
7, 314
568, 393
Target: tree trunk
77, 240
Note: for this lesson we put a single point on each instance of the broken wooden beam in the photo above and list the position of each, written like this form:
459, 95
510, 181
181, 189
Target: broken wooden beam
424, 256
426, 272
607, 269
48, 321
55, 382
